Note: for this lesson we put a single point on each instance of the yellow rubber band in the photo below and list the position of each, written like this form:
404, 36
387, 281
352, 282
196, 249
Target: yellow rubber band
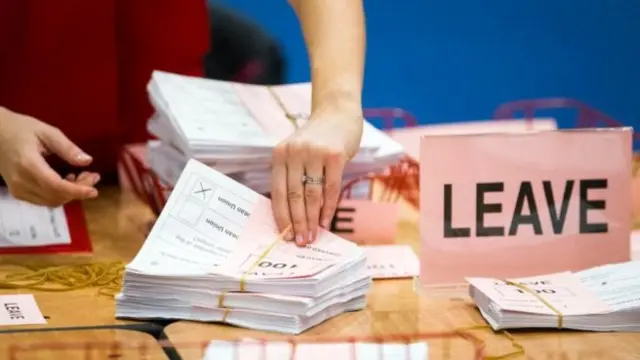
225, 315
541, 299
221, 299
261, 257
106, 276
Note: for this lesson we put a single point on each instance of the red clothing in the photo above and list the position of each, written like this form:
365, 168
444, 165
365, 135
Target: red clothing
83, 65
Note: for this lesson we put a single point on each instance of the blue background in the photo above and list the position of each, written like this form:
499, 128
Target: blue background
458, 59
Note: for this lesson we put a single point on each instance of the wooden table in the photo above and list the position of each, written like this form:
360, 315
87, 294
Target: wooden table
80, 345
116, 223
395, 307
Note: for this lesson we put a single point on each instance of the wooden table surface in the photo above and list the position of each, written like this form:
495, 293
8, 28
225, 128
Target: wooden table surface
396, 308
116, 223
117, 226
80, 345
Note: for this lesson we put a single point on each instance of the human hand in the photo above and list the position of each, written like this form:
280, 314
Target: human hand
318, 151
24, 141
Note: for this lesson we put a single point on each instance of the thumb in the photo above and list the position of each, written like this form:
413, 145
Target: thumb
56, 142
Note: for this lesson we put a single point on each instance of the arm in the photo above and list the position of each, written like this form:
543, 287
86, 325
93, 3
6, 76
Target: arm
334, 32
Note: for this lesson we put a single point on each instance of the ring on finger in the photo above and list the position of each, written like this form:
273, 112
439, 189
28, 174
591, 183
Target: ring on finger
312, 180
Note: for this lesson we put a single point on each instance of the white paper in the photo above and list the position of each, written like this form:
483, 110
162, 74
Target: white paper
200, 227
20, 310
25, 224
391, 261
564, 291
275, 350
617, 285
209, 110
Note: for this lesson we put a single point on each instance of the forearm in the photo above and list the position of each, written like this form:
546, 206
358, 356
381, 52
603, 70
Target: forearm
334, 32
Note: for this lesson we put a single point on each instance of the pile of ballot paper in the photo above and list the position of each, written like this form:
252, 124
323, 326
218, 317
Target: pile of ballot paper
214, 254
234, 128
604, 298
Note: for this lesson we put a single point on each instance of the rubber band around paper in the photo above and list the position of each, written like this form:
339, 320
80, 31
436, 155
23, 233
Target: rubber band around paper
541, 299
264, 254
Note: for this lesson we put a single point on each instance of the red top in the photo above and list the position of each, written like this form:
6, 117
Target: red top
83, 65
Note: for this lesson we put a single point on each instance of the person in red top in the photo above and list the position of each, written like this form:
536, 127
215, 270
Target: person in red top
73, 77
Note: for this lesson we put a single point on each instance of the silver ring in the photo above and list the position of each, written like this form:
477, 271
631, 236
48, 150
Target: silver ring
312, 180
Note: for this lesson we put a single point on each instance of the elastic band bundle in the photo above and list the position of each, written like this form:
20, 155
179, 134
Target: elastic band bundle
106, 276
264, 254
541, 299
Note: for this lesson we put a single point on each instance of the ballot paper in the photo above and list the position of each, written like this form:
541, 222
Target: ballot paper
278, 350
26, 225
604, 298
217, 245
391, 261
234, 128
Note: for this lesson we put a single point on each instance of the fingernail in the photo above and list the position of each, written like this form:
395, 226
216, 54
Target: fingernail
83, 157
299, 240
96, 178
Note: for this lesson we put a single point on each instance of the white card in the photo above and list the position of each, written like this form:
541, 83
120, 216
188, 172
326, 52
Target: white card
391, 261
25, 224
20, 310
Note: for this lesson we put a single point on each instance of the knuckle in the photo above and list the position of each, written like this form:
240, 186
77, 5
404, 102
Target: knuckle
312, 193
294, 195
280, 151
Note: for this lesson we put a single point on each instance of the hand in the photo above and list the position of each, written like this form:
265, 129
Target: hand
320, 148
24, 141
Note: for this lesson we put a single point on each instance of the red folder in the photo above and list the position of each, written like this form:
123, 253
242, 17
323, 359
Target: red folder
80, 241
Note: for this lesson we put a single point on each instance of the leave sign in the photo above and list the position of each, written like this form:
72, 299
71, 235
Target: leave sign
521, 204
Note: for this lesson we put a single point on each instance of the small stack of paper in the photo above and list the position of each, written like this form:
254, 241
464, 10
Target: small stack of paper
604, 298
234, 128
279, 350
215, 255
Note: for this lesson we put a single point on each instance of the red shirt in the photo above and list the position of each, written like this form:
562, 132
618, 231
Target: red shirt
83, 65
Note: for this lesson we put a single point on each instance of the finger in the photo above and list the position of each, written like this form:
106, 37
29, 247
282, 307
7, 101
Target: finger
313, 196
334, 166
87, 178
70, 177
295, 197
57, 143
279, 202
51, 183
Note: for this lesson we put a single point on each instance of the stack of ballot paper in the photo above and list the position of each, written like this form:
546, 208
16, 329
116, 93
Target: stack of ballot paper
234, 128
604, 298
281, 350
214, 254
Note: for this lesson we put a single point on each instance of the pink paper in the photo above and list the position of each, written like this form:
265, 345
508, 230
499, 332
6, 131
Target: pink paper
409, 137
366, 222
588, 157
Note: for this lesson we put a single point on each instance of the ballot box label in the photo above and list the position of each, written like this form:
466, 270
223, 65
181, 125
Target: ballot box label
520, 204
19, 310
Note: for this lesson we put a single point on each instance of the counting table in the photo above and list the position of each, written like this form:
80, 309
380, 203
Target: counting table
118, 223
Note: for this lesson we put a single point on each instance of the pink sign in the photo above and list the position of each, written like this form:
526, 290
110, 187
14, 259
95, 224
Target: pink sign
410, 136
523, 204
366, 222
362, 220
